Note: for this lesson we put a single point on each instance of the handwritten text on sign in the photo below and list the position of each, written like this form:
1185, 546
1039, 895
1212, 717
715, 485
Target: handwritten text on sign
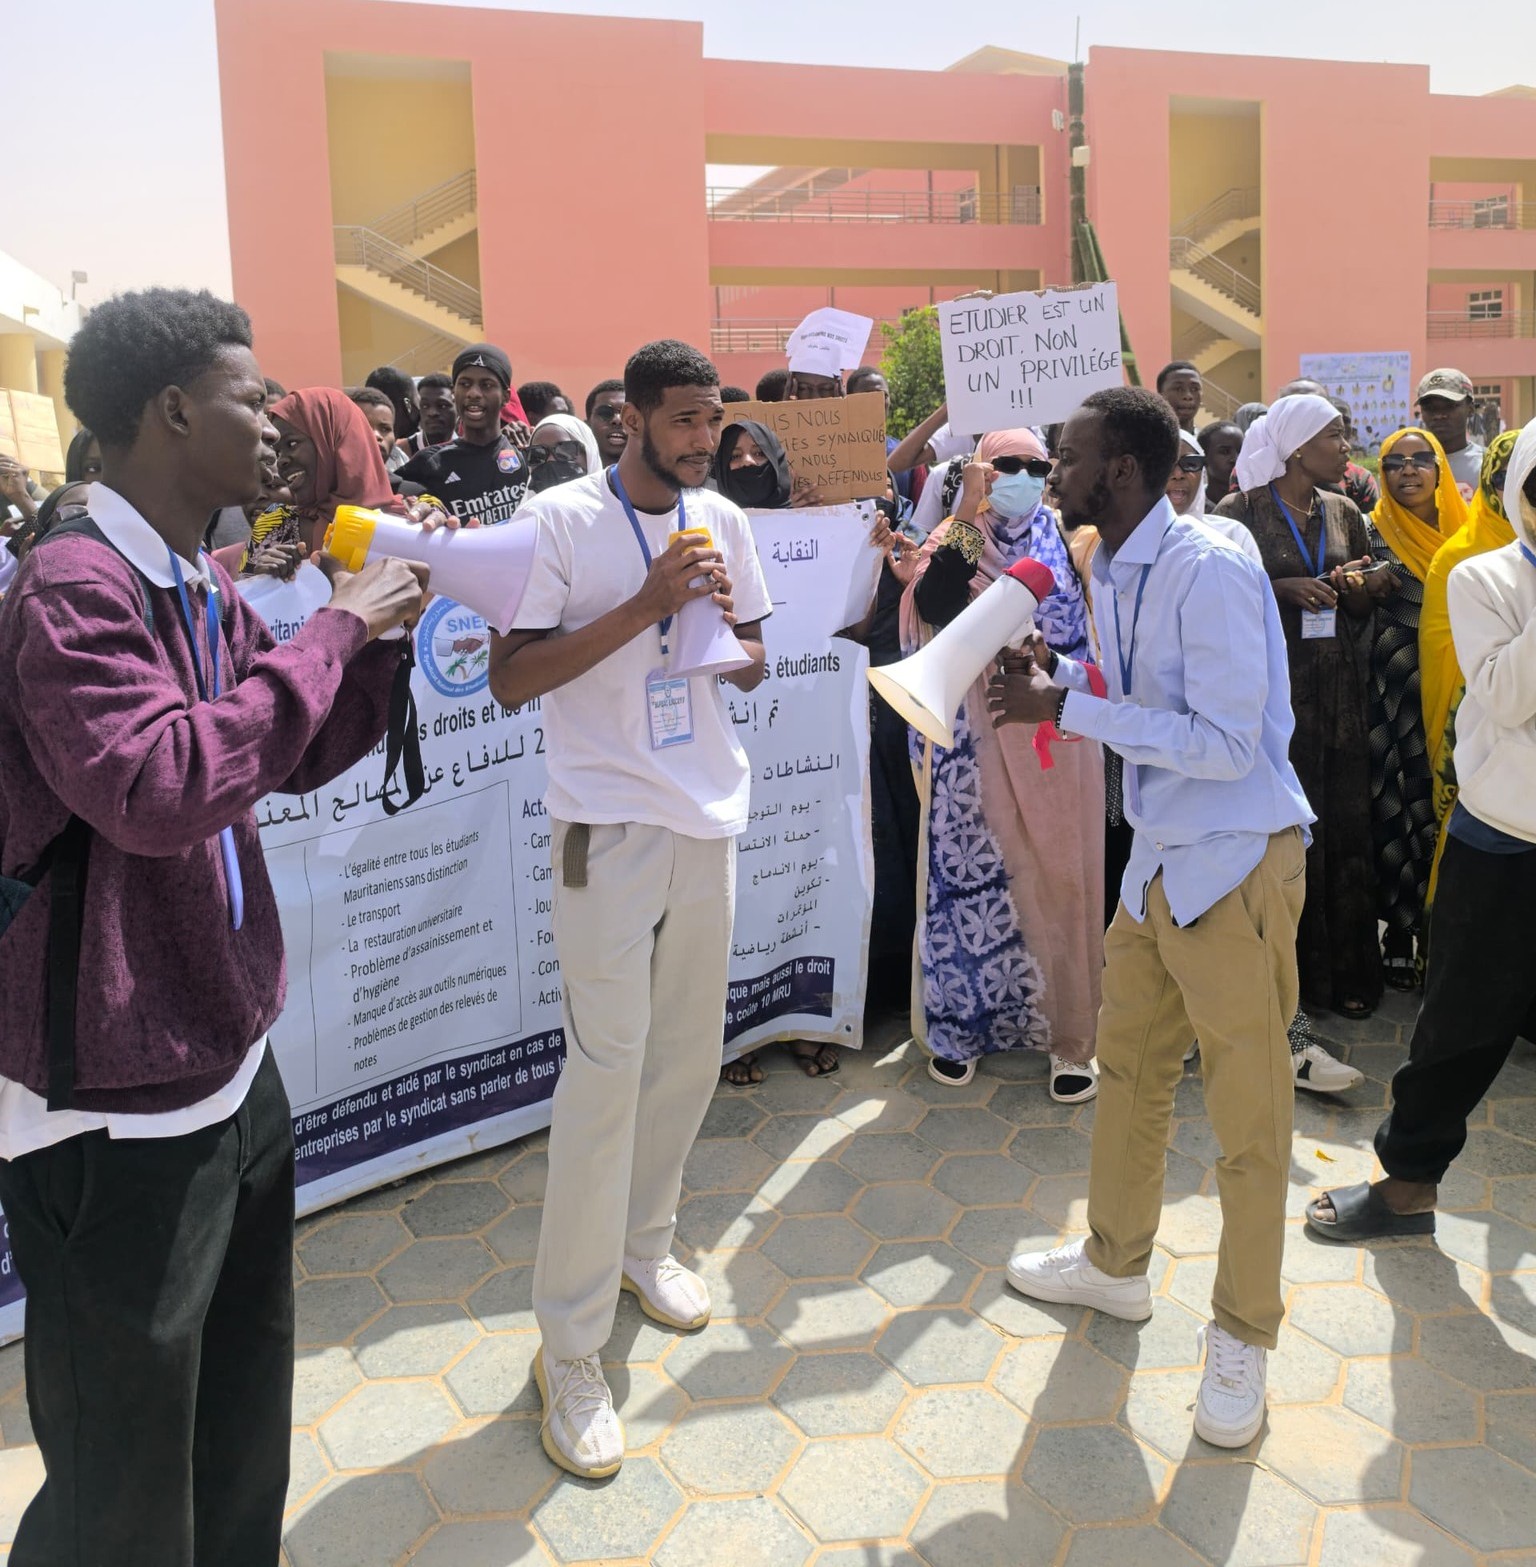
836, 444
1019, 359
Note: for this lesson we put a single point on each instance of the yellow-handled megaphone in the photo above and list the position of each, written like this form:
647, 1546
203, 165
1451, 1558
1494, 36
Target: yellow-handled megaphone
928, 688
484, 569
702, 642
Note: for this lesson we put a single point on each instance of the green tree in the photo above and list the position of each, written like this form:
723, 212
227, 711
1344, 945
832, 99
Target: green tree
913, 368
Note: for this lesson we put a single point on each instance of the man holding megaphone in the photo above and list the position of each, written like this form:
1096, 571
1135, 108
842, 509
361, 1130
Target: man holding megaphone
643, 587
1203, 943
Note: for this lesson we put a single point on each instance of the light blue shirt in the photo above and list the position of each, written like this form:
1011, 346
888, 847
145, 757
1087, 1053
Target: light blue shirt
1205, 728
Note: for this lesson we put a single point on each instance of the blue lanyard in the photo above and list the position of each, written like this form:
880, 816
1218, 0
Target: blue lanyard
645, 549
1314, 569
233, 883
1528, 552
1126, 658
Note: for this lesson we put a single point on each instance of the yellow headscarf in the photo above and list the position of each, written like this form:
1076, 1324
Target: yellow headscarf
1413, 541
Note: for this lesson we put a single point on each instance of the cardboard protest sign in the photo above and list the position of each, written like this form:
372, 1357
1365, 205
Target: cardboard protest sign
834, 443
36, 422
1028, 358
8, 447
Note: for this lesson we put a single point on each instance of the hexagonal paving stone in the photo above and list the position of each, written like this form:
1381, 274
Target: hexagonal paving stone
1062, 1379
307, 1469
740, 1283
720, 1166
996, 1301
636, 1338
515, 1236
594, 1520
1351, 1320
970, 1522
840, 1395
723, 1449
964, 1130
728, 1360
867, 1555
498, 1468
414, 1341
437, 1269
749, 1532
731, 1115
1476, 1495
321, 1379
1093, 1474
1302, 1371
1029, 1104
648, 1402
383, 1425
853, 1490
1387, 1537
962, 1433
1419, 1278
454, 1208
786, 1088
1332, 1455
1497, 1153
482, 1542
1476, 1351
1511, 1426
1051, 1150
1513, 1302
924, 1087
1238, 1515
1486, 1240
1190, 1225
886, 1110
330, 1311
1517, 1198
1160, 1410
351, 1243
829, 1315
524, 1179
724, 1221
905, 1211
1148, 1546
360, 1521
1411, 1400
801, 1136
920, 1273
933, 1347
977, 1180
1308, 1260
496, 1376
822, 1187
992, 1235
504, 1303
889, 1156
817, 1248
1168, 1338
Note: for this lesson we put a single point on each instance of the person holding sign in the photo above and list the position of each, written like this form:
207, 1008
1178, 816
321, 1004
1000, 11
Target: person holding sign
1316, 547
648, 790
146, 1142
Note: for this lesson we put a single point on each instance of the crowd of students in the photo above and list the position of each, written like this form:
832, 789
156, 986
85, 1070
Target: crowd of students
1281, 707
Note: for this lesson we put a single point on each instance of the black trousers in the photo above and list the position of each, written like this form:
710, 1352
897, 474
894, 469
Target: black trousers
1478, 992
159, 1340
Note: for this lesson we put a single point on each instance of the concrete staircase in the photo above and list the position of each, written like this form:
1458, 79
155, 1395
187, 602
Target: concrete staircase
1226, 301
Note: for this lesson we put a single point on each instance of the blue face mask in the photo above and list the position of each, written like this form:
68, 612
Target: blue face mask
1016, 494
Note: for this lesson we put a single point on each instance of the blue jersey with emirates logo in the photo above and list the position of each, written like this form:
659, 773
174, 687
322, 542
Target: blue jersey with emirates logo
476, 483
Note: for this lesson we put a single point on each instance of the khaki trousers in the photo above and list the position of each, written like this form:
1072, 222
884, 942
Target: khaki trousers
1228, 980
643, 950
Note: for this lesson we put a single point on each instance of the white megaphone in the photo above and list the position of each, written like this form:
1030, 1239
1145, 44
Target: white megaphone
705, 645
484, 569
928, 688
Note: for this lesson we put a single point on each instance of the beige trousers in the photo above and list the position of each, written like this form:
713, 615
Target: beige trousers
643, 949
1228, 980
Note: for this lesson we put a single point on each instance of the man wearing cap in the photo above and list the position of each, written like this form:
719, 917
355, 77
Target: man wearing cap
1445, 406
479, 476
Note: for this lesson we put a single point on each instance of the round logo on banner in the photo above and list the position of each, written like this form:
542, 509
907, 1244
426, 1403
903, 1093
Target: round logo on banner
453, 647
507, 460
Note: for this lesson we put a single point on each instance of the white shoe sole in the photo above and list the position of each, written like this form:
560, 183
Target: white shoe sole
552, 1448
952, 1082
1307, 1086
656, 1314
1065, 1295
1080, 1098
1221, 1437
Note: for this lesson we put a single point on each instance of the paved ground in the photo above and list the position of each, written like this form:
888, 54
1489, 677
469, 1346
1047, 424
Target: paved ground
871, 1395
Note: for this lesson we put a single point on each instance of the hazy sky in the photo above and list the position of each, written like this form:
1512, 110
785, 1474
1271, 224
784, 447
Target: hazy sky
124, 176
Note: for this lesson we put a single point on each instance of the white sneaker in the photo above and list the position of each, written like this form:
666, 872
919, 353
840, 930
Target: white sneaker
1073, 1082
1230, 1408
1066, 1276
581, 1432
1320, 1073
1192, 1052
667, 1291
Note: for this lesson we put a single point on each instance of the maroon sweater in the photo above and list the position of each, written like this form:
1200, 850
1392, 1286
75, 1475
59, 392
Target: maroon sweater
100, 716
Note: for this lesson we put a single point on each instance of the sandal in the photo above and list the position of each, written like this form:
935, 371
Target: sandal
1400, 974
1360, 1213
1355, 1010
815, 1060
743, 1072
953, 1074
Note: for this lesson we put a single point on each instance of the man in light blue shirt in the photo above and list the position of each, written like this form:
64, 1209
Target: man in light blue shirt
1203, 943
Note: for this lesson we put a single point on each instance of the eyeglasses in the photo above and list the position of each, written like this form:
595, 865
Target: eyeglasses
571, 451
1190, 463
608, 412
1397, 462
1035, 467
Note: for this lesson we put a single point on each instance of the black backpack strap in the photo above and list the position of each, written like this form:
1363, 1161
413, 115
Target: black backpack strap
66, 918
402, 746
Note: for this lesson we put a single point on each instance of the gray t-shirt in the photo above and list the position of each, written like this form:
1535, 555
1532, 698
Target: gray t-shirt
1466, 465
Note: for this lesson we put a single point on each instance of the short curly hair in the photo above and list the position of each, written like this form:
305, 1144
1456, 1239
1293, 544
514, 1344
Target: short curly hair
662, 364
1139, 424
135, 345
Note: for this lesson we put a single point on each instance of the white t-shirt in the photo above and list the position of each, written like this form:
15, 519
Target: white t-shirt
602, 767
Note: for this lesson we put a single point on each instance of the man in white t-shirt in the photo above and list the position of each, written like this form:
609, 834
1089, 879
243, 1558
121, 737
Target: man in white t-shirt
647, 792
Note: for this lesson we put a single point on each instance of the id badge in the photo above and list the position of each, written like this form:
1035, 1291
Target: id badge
1317, 623
669, 708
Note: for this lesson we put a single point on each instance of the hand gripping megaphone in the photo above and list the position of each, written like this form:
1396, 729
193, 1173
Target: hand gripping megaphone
704, 644
928, 688
484, 569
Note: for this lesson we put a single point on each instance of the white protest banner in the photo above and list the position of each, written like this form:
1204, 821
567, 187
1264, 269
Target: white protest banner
285, 606
1028, 358
828, 342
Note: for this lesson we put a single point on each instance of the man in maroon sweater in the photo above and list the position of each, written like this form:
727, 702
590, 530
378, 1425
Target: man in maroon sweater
150, 1193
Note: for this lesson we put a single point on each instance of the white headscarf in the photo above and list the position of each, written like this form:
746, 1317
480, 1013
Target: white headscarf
1190, 444
1521, 461
1275, 437
570, 425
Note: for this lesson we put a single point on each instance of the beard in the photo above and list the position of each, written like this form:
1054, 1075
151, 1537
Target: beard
1093, 509
652, 458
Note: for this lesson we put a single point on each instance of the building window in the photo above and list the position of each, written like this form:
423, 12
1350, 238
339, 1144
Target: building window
1490, 212
1486, 305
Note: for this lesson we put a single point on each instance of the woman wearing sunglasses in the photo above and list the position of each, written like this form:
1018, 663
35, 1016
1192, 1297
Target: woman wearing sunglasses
1420, 508
1010, 913
562, 448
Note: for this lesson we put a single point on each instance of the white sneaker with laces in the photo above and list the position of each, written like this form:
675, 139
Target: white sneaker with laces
1230, 1408
1320, 1073
1073, 1082
1067, 1277
667, 1291
581, 1432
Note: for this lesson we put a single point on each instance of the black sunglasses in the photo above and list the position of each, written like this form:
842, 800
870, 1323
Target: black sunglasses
1035, 467
571, 451
607, 412
1190, 463
1397, 462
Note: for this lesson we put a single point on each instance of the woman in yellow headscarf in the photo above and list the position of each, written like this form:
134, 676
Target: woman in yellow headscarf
1441, 683
1420, 508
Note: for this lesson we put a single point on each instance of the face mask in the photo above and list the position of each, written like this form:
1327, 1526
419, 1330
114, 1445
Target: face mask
553, 471
757, 487
1016, 494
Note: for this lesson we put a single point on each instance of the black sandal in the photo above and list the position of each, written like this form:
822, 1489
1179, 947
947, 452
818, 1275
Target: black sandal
1401, 973
1360, 1213
1355, 1010
748, 1074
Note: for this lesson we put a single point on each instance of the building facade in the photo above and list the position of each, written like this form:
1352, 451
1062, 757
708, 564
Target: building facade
37, 322
403, 179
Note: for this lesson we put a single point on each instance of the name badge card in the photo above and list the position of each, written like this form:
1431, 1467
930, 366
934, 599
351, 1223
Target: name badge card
669, 707
1318, 623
